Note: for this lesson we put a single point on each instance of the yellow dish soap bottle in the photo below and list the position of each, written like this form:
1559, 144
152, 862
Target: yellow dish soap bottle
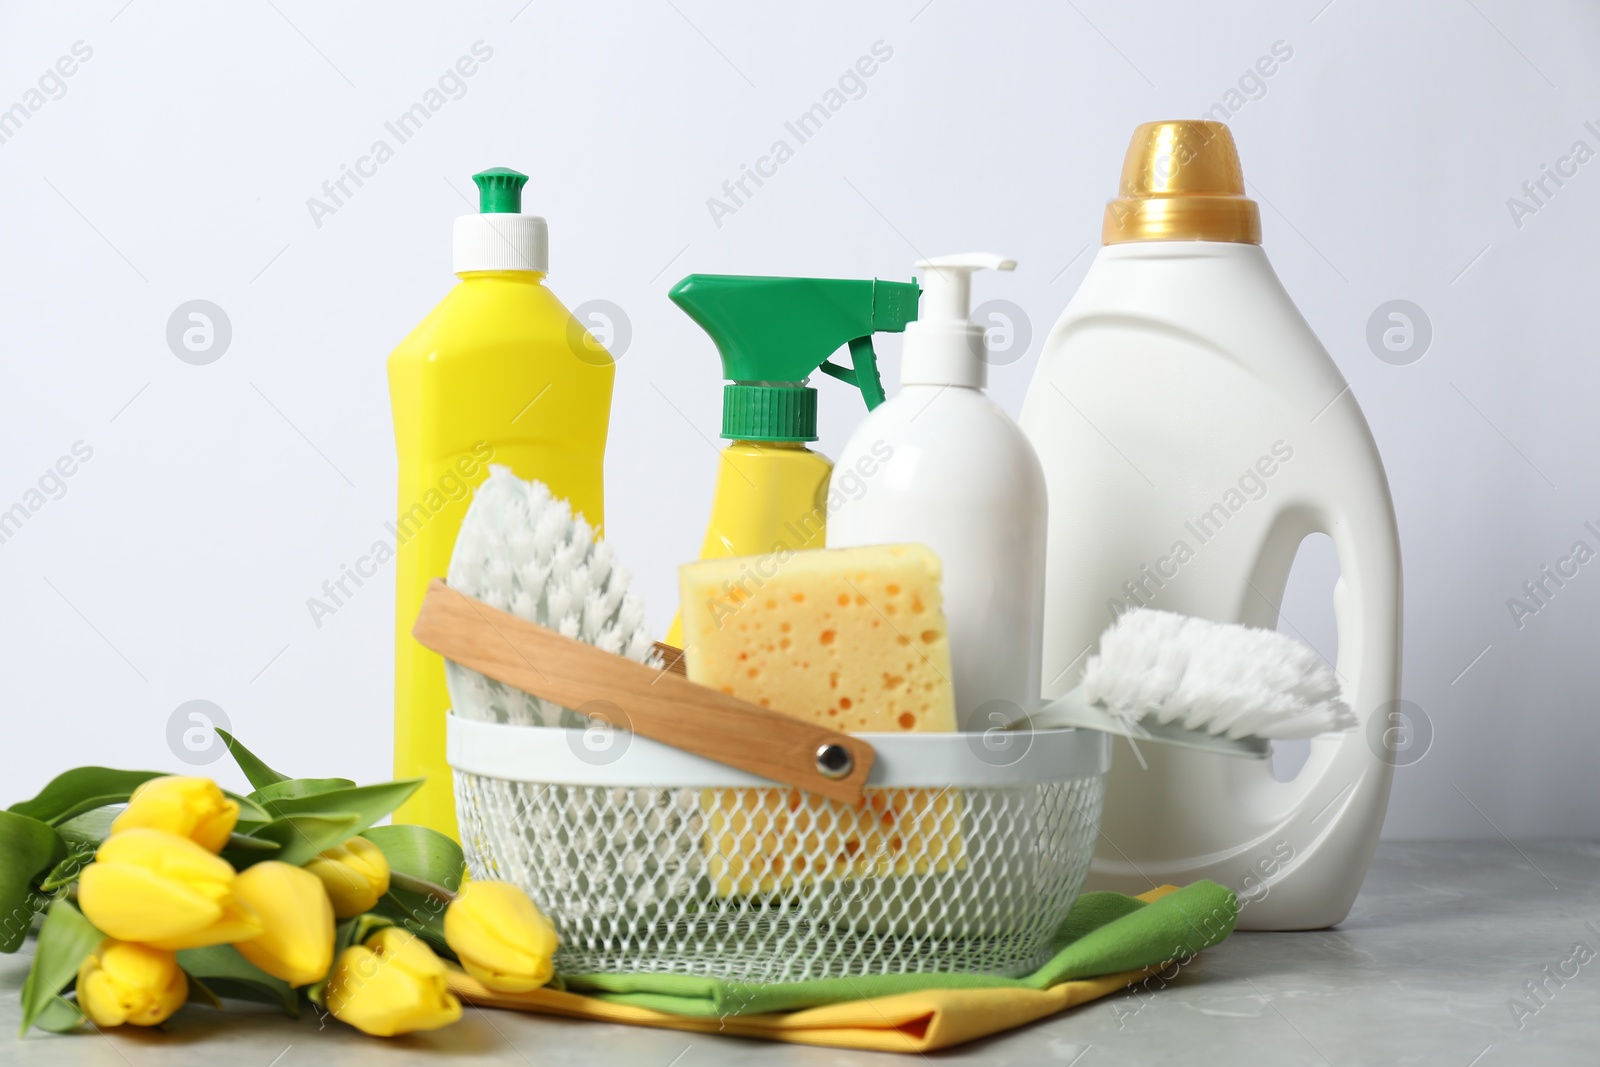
773, 333
500, 372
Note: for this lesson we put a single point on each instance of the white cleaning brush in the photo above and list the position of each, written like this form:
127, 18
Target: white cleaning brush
1205, 685
521, 550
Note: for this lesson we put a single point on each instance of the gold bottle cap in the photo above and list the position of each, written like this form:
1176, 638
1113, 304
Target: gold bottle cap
1181, 182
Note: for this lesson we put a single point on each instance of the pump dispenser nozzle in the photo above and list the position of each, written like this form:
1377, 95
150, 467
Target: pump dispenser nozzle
944, 346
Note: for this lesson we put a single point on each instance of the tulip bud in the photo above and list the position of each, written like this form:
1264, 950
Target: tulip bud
355, 874
500, 937
126, 983
163, 890
393, 984
296, 939
189, 807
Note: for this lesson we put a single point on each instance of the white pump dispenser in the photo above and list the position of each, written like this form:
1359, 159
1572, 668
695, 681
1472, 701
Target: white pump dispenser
942, 465
943, 345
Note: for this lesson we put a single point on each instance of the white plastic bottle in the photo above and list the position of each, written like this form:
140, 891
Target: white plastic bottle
942, 464
1193, 432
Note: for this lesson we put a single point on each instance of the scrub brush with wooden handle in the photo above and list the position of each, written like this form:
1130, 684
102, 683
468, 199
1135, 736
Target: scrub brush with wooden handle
521, 550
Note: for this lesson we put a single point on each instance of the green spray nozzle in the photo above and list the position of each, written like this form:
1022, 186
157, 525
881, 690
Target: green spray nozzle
773, 333
500, 191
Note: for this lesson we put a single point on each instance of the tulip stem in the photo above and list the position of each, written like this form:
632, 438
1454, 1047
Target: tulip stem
420, 886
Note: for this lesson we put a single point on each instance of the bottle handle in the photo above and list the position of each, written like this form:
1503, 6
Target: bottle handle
1333, 811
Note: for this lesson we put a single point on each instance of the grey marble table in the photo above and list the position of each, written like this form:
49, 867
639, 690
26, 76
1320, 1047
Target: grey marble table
1428, 969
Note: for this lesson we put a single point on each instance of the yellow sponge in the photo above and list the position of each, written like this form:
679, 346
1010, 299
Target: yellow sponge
850, 638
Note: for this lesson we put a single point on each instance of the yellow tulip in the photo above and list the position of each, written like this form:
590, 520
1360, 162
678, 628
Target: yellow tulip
393, 984
296, 940
189, 807
163, 890
125, 983
355, 874
500, 937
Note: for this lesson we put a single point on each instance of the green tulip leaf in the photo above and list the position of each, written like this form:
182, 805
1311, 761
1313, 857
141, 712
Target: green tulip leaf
83, 833
28, 848
416, 852
364, 926
368, 803
200, 993
423, 915
65, 941
299, 837
227, 974
257, 772
82, 789
292, 788
60, 1016
250, 813
421, 853
245, 843
66, 872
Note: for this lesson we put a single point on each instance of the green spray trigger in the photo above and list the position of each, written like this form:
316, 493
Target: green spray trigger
862, 373
773, 333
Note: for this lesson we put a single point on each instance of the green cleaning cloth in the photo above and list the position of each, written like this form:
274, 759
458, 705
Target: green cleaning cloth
1105, 933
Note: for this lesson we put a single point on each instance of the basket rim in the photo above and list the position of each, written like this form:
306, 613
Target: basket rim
557, 755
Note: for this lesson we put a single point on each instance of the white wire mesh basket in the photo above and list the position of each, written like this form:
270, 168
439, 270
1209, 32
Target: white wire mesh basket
966, 856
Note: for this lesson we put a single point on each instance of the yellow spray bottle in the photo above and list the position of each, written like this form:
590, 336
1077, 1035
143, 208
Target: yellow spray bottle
500, 372
772, 334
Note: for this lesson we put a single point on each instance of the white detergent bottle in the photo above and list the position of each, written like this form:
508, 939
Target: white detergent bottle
943, 465
1193, 432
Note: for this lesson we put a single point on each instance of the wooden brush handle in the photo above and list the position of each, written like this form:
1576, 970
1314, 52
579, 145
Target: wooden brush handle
672, 658
657, 703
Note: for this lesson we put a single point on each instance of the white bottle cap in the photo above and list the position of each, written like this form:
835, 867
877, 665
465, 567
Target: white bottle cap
500, 236
500, 241
943, 346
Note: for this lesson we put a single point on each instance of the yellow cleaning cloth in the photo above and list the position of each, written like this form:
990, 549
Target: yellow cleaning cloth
909, 1022
905, 1022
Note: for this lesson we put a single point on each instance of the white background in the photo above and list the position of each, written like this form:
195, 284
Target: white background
178, 162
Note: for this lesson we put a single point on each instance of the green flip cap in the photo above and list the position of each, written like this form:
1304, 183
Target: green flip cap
773, 333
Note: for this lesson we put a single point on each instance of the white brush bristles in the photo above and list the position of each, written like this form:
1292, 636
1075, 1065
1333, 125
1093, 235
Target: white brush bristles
1216, 678
521, 550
